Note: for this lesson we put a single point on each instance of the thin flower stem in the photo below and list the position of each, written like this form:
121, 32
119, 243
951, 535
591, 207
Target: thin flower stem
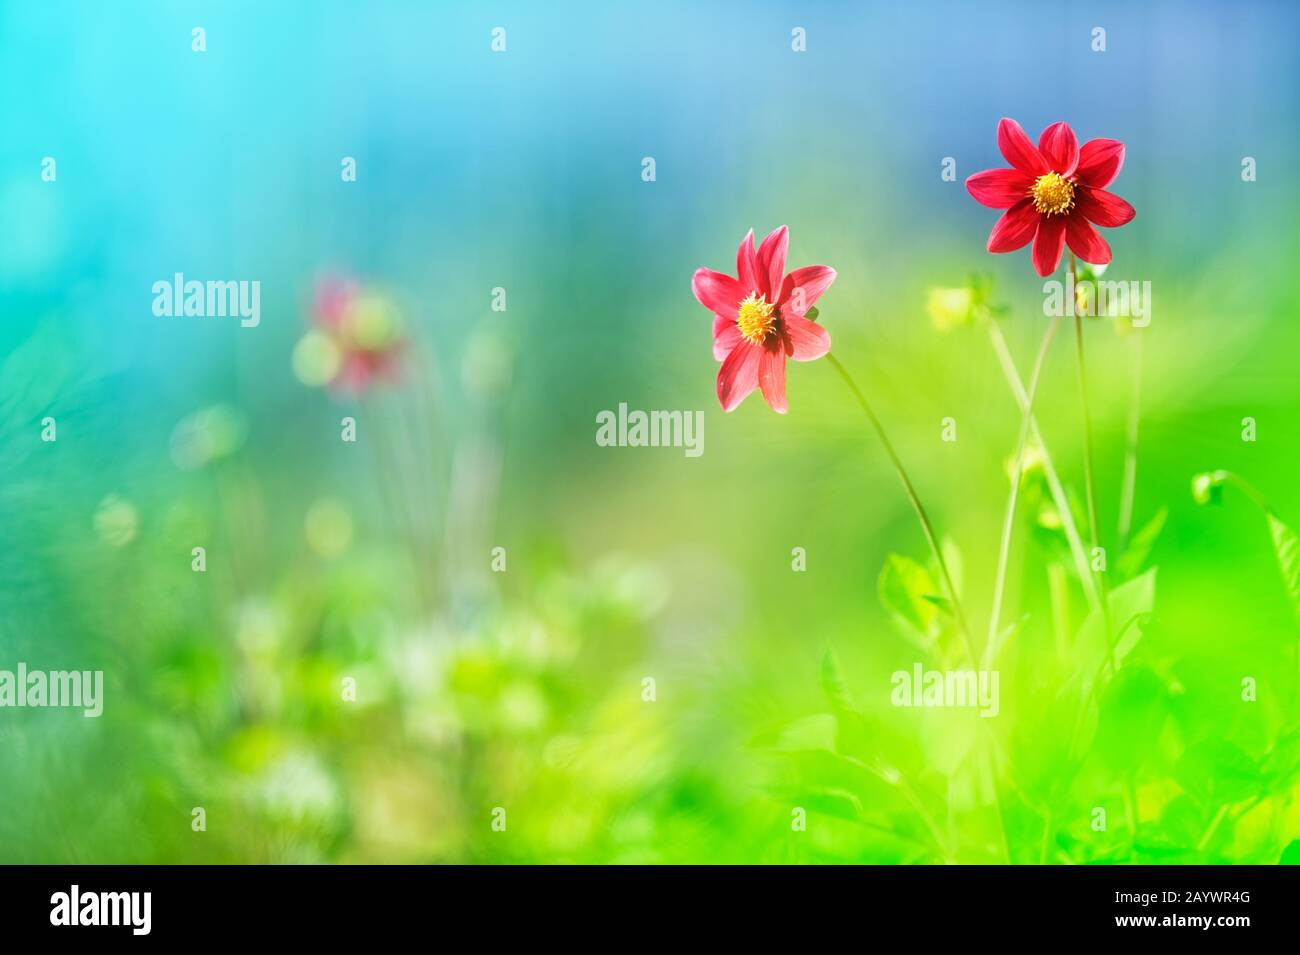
918, 805
1008, 522
1212, 828
1059, 597
1223, 477
1049, 469
926, 528
997, 804
396, 502
1129, 485
1090, 484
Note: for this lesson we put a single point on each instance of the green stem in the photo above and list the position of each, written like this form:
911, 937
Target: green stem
1058, 594
1049, 469
1008, 522
1089, 483
997, 804
1212, 829
1129, 485
926, 528
918, 805
1231, 477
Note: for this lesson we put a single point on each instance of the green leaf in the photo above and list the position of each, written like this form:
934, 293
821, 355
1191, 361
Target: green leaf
942, 603
905, 589
833, 685
1139, 546
1291, 854
839, 803
1282, 762
1217, 772
811, 314
1130, 605
1287, 546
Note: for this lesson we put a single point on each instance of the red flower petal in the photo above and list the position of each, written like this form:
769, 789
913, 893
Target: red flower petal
1019, 150
1085, 241
726, 336
999, 188
1104, 208
333, 296
747, 263
771, 376
805, 340
738, 375
1060, 148
720, 294
809, 281
1015, 228
1099, 162
360, 370
771, 262
1049, 243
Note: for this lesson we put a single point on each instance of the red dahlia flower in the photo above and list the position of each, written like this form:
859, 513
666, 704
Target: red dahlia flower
1054, 193
759, 319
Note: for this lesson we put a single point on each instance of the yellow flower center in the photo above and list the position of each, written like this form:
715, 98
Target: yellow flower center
1053, 194
756, 318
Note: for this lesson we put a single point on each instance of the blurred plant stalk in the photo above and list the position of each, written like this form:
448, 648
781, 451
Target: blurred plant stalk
926, 527
1008, 522
1012, 376
1128, 485
1089, 481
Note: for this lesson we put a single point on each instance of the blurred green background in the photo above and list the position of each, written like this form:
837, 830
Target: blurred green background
523, 690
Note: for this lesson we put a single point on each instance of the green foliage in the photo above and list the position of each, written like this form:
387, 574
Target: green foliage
1139, 547
909, 593
1287, 547
1216, 772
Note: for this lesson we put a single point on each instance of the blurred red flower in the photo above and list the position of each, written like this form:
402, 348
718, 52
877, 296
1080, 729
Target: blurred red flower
355, 341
